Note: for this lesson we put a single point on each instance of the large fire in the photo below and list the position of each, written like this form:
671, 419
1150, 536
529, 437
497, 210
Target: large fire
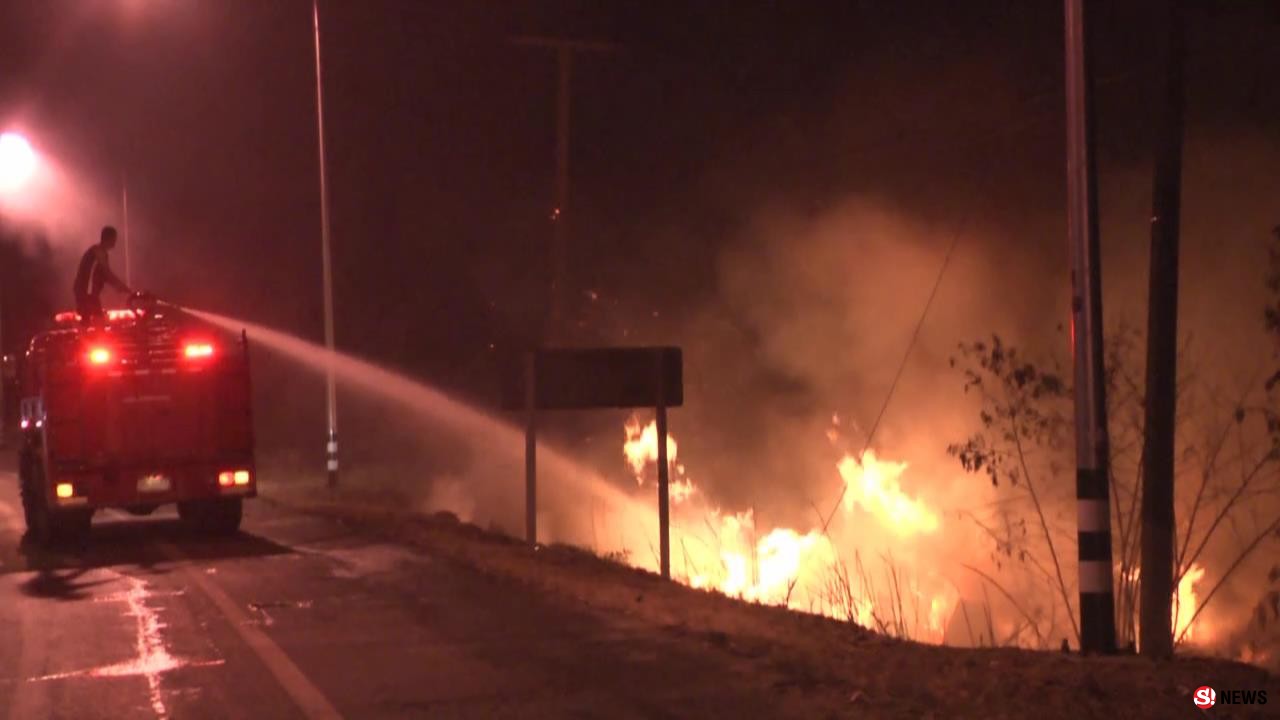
872, 484
806, 570
879, 564
1185, 603
641, 450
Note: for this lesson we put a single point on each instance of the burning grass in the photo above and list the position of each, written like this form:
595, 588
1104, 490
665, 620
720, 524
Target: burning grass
869, 568
819, 667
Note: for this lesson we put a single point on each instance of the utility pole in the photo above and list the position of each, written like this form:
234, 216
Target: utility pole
1093, 506
560, 213
331, 390
1156, 626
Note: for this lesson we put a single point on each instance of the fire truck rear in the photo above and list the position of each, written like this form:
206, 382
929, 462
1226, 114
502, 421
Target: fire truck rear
151, 406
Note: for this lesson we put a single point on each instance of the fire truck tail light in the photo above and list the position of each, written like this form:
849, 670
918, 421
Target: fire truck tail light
233, 478
64, 490
99, 356
197, 351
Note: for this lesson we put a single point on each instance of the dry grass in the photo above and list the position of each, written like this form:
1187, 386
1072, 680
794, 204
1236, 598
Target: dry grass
826, 663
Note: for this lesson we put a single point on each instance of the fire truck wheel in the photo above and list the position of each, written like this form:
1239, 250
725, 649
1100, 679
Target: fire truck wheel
212, 517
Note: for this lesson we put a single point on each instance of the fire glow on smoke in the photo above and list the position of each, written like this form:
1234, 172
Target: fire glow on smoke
881, 569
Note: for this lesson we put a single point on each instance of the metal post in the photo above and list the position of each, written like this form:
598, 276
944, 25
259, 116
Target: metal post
664, 496
559, 254
531, 447
560, 242
331, 391
1097, 601
1156, 626
124, 201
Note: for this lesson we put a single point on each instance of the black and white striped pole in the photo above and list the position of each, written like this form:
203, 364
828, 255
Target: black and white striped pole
1097, 599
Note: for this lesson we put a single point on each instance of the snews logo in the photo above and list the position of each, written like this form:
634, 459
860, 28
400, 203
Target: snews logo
1206, 697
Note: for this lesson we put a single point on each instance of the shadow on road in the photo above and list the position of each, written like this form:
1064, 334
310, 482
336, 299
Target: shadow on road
147, 544
56, 585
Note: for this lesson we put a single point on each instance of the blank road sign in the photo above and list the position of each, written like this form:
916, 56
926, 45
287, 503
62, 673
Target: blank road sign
587, 378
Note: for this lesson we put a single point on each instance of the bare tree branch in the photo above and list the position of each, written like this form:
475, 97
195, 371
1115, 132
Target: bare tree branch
1057, 566
1012, 601
1244, 554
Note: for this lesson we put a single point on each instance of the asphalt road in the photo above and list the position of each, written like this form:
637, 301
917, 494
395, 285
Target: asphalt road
301, 617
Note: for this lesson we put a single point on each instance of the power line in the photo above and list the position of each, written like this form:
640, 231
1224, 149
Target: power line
906, 355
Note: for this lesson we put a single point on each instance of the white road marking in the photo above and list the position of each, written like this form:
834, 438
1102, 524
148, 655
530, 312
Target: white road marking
305, 694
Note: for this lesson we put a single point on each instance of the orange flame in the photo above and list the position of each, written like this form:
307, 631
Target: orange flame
851, 573
873, 485
641, 451
1184, 605
804, 570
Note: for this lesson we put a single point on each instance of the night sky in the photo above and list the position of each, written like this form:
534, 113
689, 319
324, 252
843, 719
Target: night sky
713, 115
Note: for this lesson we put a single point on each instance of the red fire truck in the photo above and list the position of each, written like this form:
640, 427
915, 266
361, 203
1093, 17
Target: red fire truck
147, 407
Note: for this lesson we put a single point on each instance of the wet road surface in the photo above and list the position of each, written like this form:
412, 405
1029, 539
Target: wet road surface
300, 617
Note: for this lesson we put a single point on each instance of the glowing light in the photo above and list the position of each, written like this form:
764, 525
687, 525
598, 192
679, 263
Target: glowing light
195, 351
64, 490
241, 477
226, 479
17, 162
99, 356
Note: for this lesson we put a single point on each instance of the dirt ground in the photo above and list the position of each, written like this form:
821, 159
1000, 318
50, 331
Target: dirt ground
826, 667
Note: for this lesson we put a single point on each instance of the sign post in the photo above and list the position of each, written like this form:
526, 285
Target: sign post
664, 496
596, 378
530, 449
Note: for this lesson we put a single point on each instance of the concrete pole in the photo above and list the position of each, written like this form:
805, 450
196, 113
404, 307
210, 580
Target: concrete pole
331, 392
1097, 599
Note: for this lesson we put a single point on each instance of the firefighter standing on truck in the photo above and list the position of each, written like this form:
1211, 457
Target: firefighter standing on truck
95, 272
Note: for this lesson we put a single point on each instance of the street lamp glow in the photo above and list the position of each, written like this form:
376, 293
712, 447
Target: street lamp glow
17, 161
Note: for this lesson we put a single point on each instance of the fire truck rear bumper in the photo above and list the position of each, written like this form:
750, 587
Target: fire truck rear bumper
130, 487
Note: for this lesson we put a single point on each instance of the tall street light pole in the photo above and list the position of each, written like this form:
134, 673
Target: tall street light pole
560, 213
331, 391
1093, 506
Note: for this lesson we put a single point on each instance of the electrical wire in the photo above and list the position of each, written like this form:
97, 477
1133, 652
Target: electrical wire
902, 365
